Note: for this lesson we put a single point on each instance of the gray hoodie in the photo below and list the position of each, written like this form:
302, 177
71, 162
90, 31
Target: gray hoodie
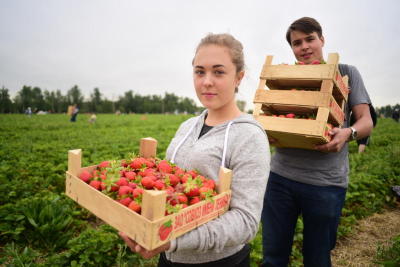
248, 156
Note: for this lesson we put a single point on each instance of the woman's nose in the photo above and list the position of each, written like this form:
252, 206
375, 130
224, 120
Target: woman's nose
208, 81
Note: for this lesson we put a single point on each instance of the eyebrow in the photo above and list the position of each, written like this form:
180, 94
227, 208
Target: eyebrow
214, 66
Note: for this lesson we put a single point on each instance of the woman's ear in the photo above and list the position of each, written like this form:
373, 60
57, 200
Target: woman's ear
240, 76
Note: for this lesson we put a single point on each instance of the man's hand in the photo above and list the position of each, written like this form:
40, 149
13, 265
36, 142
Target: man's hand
339, 138
146, 254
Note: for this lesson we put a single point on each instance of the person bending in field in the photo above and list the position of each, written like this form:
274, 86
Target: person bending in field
218, 68
312, 183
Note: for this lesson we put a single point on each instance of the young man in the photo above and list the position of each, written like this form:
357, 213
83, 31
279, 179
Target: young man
312, 182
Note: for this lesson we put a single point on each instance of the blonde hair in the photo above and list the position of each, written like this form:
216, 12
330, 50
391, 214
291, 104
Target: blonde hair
226, 40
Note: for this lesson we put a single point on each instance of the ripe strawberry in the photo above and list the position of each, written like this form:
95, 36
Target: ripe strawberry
135, 206
194, 200
172, 200
147, 182
316, 62
138, 163
130, 175
300, 63
150, 163
132, 185
122, 182
290, 115
158, 184
210, 184
282, 116
85, 176
185, 178
137, 192
173, 179
125, 190
95, 184
125, 201
104, 164
205, 192
182, 199
163, 166
193, 192
178, 171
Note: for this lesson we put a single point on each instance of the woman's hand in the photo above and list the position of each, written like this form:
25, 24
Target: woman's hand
146, 254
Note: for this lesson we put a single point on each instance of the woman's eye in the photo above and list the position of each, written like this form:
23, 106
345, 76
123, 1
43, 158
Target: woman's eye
219, 72
198, 72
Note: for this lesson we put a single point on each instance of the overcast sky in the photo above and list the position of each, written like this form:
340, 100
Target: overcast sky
147, 46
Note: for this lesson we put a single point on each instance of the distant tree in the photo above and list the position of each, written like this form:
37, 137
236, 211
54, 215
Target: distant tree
5, 101
38, 102
95, 101
23, 99
74, 96
170, 102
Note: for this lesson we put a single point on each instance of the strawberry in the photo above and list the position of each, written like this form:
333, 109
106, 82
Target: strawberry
85, 176
178, 171
165, 230
182, 198
130, 175
104, 164
205, 192
125, 190
95, 184
282, 116
138, 163
194, 200
159, 185
210, 184
316, 62
150, 163
172, 179
135, 206
185, 178
125, 201
132, 185
193, 173
163, 166
137, 192
290, 115
300, 63
147, 182
122, 182
193, 192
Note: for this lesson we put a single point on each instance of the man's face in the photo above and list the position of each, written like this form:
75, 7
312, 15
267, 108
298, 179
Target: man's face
307, 47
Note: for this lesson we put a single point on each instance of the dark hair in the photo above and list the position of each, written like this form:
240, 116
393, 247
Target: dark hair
306, 25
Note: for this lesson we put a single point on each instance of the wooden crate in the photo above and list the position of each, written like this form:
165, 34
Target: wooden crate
325, 77
297, 133
146, 228
288, 101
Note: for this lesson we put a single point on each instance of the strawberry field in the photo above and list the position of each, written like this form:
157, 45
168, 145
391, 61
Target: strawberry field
41, 226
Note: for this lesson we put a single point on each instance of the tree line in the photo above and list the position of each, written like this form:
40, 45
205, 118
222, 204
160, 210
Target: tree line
56, 102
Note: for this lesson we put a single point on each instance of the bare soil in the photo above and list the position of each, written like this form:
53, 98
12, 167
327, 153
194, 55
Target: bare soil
359, 249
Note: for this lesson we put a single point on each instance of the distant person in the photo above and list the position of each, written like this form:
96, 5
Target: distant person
93, 118
74, 114
28, 111
363, 142
396, 115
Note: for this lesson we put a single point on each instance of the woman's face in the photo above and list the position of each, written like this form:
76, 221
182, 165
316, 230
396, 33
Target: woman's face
215, 77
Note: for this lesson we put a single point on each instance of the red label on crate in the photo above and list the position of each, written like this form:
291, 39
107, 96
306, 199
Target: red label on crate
191, 216
336, 110
342, 86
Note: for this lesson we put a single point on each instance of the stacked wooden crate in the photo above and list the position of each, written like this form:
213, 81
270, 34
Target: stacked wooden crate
315, 94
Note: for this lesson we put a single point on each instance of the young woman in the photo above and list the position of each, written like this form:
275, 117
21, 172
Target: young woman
221, 135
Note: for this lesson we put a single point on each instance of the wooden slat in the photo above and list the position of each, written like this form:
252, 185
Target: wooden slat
148, 147
74, 161
298, 72
224, 180
153, 204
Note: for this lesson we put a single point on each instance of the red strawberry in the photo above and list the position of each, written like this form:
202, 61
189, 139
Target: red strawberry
210, 184
300, 63
194, 200
135, 206
95, 184
163, 166
104, 164
85, 176
182, 198
165, 230
124, 190
173, 179
193, 192
159, 185
316, 62
148, 182
137, 192
193, 173
132, 185
122, 182
282, 116
130, 175
290, 115
178, 171
125, 201
138, 163
150, 163
205, 192
185, 178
